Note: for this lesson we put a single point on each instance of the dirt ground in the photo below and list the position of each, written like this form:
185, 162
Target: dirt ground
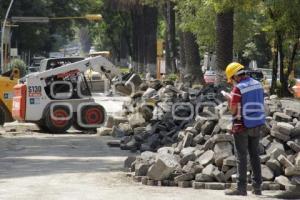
36, 166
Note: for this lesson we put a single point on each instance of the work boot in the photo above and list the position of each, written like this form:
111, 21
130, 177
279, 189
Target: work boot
256, 192
235, 192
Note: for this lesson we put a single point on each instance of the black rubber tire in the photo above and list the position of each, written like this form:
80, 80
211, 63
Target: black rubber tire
2, 116
42, 127
5, 116
58, 126
92, 114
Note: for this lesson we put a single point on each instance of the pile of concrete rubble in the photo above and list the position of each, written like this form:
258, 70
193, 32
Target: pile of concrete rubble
184, 138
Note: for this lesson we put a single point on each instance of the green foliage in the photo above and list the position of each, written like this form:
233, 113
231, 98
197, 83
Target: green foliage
19, 64
42, 38
172, 77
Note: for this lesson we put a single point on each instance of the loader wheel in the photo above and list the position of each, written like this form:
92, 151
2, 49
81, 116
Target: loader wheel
91, 116
42, 127
2, 116
5, 116
55, 123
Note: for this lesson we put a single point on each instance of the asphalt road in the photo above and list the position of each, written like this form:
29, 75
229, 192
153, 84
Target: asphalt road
37, 166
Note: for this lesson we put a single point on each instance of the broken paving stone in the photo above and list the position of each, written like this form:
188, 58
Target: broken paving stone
273, 146
297, 160
198, 139
198, 185
284, 128
230, 161
190, 168
265, 142
222, 150
219, 176
152, 182
208, 145
280, 136
206, 158
264, 158
281, 117
225, 168
187, 151
295, 132
103, 131
216, 130
229, 173
208, 170
295, 180
274, 186
117, 132
292, 112
215, 186
222, 138
198, 152
139, 130
282, 181
184, 177
225, 122
187, 140
275, 166
198, 125
208, 127
166, 150
295, 189
185, 184
141, 169
203, 178
192, 130
163, 167
128, 162
292, 171
267, 173
284, 161
136, 120
185, 159
294, 146
276, 153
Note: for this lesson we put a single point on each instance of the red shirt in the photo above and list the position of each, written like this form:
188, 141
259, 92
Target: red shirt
236, 100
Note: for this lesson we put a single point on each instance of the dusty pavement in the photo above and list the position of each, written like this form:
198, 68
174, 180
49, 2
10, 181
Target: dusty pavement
49, 167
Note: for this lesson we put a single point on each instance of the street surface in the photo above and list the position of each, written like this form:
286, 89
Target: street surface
36, 166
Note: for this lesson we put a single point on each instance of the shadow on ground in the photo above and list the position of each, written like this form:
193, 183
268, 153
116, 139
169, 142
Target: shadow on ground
55, 154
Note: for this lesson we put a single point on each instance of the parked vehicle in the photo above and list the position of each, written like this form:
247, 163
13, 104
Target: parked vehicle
210, 77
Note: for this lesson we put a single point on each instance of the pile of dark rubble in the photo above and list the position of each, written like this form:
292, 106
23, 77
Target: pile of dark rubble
194, 148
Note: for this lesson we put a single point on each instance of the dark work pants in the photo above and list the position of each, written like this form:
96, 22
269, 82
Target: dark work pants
245, 142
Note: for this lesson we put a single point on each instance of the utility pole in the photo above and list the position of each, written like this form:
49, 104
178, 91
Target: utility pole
2, 34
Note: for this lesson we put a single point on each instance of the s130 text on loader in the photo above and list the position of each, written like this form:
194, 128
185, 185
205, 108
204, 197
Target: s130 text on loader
59, 98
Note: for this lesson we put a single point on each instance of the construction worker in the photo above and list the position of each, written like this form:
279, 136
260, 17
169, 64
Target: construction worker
246, 103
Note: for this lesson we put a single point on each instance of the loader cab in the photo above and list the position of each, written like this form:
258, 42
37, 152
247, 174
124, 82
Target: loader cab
53, 63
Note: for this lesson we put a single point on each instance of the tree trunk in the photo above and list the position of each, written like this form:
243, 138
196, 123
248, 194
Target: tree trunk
192, 57
150, 24
292, 58
134, 17
182, 54
170, 37
224, 41
274, 68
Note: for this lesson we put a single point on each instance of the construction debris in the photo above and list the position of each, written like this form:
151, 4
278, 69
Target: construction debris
186, 132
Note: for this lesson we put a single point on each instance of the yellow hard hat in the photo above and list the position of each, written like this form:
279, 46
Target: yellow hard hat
232, 69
